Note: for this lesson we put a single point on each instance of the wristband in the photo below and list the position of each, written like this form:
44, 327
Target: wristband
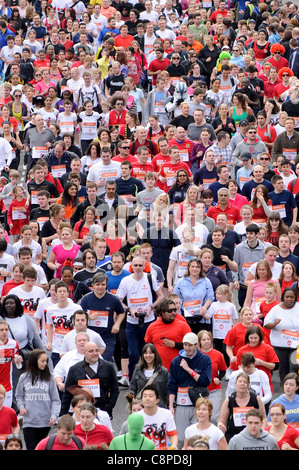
193, 373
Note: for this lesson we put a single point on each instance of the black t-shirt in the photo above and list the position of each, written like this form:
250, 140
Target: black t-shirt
115, 83
40, 215
33, 188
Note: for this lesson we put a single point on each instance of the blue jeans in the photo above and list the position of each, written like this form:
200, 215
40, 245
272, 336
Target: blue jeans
135, 338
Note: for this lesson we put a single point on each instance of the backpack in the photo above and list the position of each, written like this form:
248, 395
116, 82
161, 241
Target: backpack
52, 438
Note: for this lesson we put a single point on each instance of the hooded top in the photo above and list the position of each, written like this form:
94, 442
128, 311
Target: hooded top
245, 441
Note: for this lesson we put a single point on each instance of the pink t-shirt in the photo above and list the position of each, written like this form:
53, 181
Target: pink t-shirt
41, 86
62, 254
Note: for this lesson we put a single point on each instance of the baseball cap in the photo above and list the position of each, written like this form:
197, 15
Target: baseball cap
190, 338
246, 156
243, 122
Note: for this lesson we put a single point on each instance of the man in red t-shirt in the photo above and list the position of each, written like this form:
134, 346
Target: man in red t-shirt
169, 328
142, 141
123, 39
184, 144
158, 65
65, 438
142, 166
168, 171
223, 206
161, 158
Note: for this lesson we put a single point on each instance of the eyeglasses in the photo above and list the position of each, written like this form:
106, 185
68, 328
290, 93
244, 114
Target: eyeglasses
171, 310
236, 50
275, 414
252, 132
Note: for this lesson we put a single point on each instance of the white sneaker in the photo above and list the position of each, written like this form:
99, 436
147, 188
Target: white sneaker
228, 373
119, 373
124, 382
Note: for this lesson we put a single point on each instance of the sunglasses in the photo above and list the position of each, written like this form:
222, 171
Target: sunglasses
171, 310
182, 176
277, 53
264, 159
252, 132
126, 148
285, 75
137, 265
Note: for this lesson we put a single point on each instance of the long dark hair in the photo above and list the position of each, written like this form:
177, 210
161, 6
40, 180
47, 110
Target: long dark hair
157, 362
66, 198
33, 370
19, 307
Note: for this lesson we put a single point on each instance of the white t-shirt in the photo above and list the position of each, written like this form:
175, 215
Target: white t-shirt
68, 342
35, 247
180, 255
259, 382
223, 314
138, 295
67, 123
41, 314
106, 172
89, 129
60, 318
276, 270
285, 333
201, 233
87, 163
213, 432
29, 300
159, 427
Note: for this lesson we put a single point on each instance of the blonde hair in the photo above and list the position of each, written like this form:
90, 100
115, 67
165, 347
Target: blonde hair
224, 289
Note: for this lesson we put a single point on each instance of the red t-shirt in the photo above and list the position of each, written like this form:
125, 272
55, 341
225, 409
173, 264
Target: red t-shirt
120, 41
231, 211
57, 444
174, 331
130, 158
96, 436
265, 352
139, 171
157, 65
218, 365
169, 170
8, 420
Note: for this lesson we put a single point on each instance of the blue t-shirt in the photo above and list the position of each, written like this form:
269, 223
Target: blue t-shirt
114, 281
287, 199
108, 303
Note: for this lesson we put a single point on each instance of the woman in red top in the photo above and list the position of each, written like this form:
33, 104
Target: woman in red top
275, 227
261, 204
235, 337
265, 356
17, 279
261, 47
89, 431
82, 227
288, 275
205, 342
113, 240
287, 436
